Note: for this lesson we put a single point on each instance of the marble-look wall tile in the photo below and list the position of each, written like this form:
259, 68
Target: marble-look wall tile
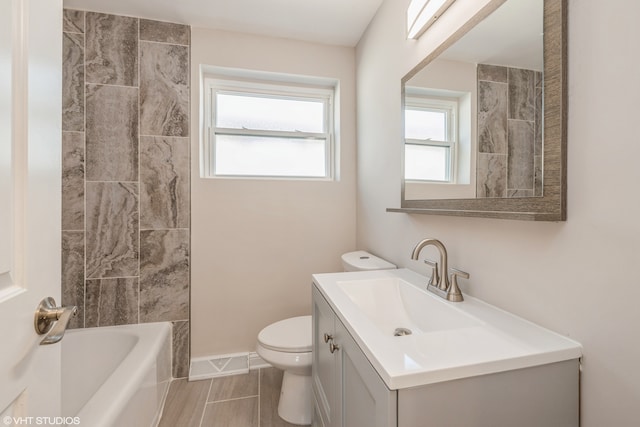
164, 89
521, 94
73, 21
492, 73
538, 187
112, 49
519, 193
72, 181
491, 175
492, 117
164, 32
181, 356
164, 275
164, 182
73, 82
539, 121
73, 274
112, 229
520, 167
112, 133
112, 302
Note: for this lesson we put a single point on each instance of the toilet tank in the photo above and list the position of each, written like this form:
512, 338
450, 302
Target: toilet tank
362, 260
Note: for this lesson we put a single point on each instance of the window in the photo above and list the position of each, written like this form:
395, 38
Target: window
430, 139
269, 130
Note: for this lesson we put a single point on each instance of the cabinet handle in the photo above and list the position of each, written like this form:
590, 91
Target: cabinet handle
327, 337
333, 347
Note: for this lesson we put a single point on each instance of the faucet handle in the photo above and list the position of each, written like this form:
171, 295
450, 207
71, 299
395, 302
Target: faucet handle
454, 294
435, 277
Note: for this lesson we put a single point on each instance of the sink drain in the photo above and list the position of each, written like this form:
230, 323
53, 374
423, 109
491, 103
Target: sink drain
400, 332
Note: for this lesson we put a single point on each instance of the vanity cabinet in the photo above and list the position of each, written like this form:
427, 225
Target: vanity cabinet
347, 390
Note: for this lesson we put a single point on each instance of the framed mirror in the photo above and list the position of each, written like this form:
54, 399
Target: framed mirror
484, 117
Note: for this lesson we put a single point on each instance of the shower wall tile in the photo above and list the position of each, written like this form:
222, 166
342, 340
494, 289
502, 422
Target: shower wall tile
112, 133
521, 94
519, 193
492, 73
73, 82
112, 229
73, 181
115, 180
164, 89
520, 166
73, 21
539, 121
181, 356
164, 275
112, 302
164, 32
492, 117
538, 190
164, 182
112, 49
73, 274
491, 175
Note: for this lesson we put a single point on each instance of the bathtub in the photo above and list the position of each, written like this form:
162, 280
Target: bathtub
117, 375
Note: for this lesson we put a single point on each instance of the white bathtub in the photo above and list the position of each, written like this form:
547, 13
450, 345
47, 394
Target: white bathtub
116, 376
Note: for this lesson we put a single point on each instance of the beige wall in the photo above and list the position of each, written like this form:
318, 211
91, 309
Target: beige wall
255, 243
576, 277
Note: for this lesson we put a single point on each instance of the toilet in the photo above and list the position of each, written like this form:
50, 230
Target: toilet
286, 345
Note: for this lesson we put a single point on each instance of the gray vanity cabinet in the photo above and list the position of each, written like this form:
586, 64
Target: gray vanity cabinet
347, 390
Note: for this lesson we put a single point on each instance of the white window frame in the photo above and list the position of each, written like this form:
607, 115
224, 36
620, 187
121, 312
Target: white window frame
448, 106
292, 90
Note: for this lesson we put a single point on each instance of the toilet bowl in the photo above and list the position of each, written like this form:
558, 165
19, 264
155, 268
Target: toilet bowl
286, 345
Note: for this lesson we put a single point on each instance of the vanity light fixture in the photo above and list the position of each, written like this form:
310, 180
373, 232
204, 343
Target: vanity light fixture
421, 14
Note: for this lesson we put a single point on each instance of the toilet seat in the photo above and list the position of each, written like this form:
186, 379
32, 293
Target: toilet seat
291, 335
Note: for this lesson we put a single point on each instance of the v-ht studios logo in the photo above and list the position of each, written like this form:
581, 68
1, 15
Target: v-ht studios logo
40, 421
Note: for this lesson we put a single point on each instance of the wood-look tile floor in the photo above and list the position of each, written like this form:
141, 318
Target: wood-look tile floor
247, 400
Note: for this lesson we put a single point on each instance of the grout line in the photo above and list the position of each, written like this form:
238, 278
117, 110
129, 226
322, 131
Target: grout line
259, 396
84, 165
164, 43
140, 193
112, 182
234, 399
206, 401
109, 84
160, 136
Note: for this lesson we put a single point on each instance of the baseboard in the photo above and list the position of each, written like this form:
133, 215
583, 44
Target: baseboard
223, 365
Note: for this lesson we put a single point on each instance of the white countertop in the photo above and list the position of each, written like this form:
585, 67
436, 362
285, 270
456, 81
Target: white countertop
494, 341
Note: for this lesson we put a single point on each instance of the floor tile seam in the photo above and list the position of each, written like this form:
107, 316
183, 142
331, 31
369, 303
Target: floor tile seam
233, 399
206, 401
259, 397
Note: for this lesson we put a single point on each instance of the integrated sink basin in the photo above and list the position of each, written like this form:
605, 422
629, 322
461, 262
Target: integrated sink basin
413, 337
396, 307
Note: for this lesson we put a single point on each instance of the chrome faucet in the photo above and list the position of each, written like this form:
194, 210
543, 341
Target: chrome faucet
439, 283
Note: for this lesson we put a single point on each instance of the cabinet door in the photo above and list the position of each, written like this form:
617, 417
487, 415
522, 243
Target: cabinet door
324, 372
365, 399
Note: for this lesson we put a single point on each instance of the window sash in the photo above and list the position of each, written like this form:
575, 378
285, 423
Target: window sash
276, 91
449, 108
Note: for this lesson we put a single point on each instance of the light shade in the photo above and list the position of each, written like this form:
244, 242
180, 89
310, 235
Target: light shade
422, 13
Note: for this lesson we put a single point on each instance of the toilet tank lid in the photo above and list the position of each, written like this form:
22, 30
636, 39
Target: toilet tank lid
363, 260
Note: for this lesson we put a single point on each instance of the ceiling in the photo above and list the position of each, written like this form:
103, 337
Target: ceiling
337, 22
511, 36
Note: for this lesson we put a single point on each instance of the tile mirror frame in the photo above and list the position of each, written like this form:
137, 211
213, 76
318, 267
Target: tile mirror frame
552, 206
